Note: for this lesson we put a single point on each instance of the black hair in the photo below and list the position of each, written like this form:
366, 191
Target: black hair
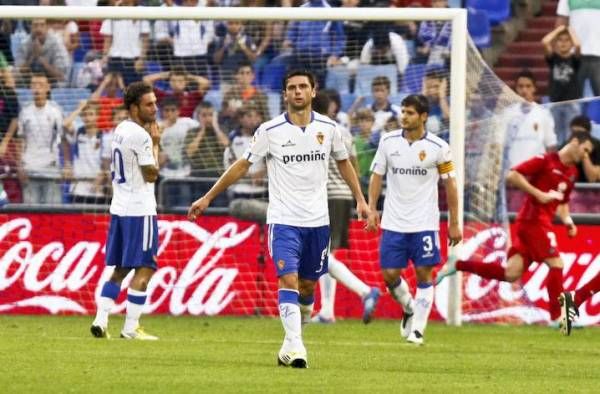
581, 121
302, 73
320, 103
134, 93
418, 102
242, 64
526, 73
581, 137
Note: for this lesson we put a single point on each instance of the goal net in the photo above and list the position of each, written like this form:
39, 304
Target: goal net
217, 74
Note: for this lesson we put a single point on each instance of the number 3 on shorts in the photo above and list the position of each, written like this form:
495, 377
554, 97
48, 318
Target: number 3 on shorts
427, 243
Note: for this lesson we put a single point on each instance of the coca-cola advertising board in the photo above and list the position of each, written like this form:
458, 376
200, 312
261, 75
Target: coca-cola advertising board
54, 263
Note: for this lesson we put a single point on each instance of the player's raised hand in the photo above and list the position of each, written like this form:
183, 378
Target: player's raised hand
198, 207
454, 234
154, 130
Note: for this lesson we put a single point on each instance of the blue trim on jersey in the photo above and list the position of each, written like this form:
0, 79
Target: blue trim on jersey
393, 136
306, 300
110, 290
277, 125
424, 285
433, 142
324, 121
249, 156
138, 300
285, 296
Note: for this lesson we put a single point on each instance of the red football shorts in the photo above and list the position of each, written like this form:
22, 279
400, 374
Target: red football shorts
534, 241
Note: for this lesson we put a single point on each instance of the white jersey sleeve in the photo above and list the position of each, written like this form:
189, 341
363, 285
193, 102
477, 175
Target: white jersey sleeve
259, 147
338, 148
379, 163
142, 146
444, 162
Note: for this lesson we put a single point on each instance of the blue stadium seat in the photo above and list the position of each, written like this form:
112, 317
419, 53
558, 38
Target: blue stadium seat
274, 100
366, 73
413, 78
347, 100
69, 98
338, 78
75, 69
272, 76
498, 10
85, 45
24, 96
215, 98
478, 24
593, 110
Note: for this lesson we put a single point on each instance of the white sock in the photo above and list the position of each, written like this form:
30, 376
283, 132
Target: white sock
105, 305
422, 307
339, 271
327, 286
289, 313
401, 293
136, 300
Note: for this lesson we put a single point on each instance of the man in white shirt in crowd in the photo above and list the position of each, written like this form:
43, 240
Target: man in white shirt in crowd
40, 134
172, 160
125, 45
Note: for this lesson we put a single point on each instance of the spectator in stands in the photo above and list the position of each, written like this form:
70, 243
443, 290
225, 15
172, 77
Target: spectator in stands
589, 168
584, 20
435, 88
83, 161
67, 31
186, 42
356, 33
433, 39
125, 45
529, 126
40, 134
9, 112
268, 37
382, 107
253, 185
242, 94
108, 95
385, 47
43, 52
179, 80
204, 146
562, 50
316, 45
365, 145
232, 49
172, 159
335, 108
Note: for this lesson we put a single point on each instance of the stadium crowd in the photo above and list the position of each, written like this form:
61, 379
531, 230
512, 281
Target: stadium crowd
62, 82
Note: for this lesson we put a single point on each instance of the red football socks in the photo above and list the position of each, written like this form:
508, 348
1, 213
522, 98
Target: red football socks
489, 271
591, 288
554, 283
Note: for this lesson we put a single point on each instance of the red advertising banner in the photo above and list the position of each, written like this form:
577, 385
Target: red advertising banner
54, 263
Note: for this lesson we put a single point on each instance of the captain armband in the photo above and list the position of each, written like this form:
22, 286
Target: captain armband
446, 170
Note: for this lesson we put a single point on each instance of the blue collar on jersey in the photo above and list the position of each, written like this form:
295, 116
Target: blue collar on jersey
287, 119
388, 108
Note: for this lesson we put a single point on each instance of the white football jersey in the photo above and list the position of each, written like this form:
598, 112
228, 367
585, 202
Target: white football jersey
529, 132
131, 149
413, 171
297, 167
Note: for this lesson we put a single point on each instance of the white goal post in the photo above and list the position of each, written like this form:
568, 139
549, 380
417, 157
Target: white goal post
457, 16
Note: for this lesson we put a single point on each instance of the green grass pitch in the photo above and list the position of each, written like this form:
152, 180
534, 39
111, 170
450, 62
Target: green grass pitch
227, 354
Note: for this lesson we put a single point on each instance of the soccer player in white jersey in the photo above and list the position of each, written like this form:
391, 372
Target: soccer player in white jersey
413, 161
297, 145
132, 241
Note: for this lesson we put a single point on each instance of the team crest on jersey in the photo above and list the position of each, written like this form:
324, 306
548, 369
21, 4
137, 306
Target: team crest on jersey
320, 138
422, 155
281, 264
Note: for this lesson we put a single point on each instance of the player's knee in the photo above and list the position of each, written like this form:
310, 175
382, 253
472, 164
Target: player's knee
289, 281
512, 276
555, 263
389, 276
118, 275
424, 274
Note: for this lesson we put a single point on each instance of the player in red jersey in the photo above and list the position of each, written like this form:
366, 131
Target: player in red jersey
548, 180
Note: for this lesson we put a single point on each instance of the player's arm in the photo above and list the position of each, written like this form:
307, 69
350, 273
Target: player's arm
454, 231
549, 38
150, 171
518, 180
236, 171
565, 217
375, 186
